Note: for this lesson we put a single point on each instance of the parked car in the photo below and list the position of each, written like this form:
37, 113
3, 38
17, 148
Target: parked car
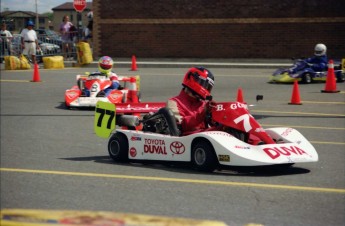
48, 49
49, 36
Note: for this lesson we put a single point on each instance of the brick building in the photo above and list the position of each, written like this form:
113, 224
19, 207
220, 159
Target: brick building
218, 28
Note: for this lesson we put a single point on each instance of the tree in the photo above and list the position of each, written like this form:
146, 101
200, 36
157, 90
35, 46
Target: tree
49, 15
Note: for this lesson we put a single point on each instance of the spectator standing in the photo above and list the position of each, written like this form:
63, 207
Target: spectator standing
87, 33
29, 41
6, 37
90, 16
67, 42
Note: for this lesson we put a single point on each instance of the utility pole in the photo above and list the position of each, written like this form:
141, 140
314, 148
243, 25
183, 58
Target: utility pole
37, 25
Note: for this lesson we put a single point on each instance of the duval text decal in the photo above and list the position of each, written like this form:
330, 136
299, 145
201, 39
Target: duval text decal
155, 146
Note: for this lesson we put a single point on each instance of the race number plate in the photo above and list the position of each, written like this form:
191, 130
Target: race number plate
104, 119
89, 101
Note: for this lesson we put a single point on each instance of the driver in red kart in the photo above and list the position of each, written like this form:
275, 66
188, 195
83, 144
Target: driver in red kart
319, 61
190, 106
105, 65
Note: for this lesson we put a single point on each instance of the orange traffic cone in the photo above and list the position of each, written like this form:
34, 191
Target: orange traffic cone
330, 86
240, 95
36, 75
295, 97
134, 63
132, 91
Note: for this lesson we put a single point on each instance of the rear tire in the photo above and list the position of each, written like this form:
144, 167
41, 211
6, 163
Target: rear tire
118, 147
340, 78
204, 157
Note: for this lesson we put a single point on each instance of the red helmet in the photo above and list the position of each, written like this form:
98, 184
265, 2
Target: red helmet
200, 81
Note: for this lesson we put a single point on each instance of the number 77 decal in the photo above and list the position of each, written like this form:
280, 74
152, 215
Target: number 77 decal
104, 122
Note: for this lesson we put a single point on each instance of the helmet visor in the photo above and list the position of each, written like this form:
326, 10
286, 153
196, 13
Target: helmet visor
105, 66
318, 52
206, 83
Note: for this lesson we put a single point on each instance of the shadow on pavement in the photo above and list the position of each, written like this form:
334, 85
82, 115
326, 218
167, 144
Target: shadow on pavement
186, 168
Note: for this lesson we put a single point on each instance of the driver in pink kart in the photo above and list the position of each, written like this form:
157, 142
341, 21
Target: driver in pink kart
105, 65
319, 61
190, 106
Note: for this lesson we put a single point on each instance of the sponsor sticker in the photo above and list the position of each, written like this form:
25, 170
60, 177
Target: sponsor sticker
276, 152
287, 132
224, 158
218, 133
72, 94
88, 100
241, 147
155, 146
135, 138
177, 148
133, 152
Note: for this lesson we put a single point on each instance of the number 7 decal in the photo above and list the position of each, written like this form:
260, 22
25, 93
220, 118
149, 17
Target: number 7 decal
246, 121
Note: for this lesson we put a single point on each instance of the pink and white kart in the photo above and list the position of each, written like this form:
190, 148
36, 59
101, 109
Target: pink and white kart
234, 138
96, 84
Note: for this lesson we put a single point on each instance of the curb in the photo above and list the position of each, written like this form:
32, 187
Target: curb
187, 63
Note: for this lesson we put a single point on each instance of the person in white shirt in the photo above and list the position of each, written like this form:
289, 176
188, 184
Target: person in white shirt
6, 37
29, 41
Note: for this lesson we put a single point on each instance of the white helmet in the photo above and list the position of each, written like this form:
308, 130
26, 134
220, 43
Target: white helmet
320, 49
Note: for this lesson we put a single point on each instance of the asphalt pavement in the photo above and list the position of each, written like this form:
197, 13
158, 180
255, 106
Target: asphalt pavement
52, 160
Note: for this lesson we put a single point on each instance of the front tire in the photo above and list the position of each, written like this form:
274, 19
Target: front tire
67, 106
306, 78
204, 157
118, 147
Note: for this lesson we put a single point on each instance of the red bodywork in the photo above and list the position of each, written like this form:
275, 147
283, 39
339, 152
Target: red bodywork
236, 115
229, 114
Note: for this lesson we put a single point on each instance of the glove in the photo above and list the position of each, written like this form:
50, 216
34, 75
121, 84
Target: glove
210, 104
115, 85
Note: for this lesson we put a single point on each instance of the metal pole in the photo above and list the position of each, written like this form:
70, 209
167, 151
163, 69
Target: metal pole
79, 23
37, 25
